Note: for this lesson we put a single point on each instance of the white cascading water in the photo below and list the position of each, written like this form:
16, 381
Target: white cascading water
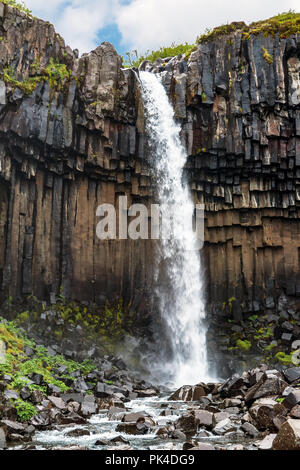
179, 285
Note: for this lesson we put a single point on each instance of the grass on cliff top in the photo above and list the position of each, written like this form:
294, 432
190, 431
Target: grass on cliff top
20, 367
134, 59
285, 24
19, 5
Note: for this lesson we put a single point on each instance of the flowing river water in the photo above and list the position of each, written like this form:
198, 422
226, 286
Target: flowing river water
102, 427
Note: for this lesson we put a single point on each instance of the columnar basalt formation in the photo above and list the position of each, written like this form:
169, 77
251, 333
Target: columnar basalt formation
238, 101
77, 140
68, 146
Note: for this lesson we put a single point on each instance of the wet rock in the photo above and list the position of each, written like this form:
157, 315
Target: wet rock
205, 418
75, 397
12, 427
295, 412
224, 427
188, 393
177, 434
89, 406
80, 385
57, 402
101, 442
2, 438
232, 386
41, 420
291, 375
119, 440
292, 399
146, 393
188, 424
38, 379
133, 417
288, 437
249, 429
25, 393
263, 412
37, 396
267, 442
78, 433
203, 446
11, 395
267, 386
71, 418
127, 428
221, 416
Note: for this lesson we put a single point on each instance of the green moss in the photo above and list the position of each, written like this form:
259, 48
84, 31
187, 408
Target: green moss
58, 75
267, 56
285, 359
244, 345
21, 367
284, 24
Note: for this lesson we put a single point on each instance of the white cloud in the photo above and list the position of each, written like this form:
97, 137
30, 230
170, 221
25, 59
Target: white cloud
151, 23
147, 24
78, 21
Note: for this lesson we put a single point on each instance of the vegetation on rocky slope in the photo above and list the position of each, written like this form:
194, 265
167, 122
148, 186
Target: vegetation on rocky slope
285, 24
134, 59
58, 75
19, 5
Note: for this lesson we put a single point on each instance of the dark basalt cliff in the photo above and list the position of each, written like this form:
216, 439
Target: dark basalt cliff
66, 148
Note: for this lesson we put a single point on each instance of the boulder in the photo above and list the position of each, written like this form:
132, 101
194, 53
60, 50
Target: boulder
224, 427
263, 412
232, 386
127, 428
179, 435
188, 393
133, 417
2, 350
291, 375
218, 417
292, 399
78, 433
267, 442
249, 429
89, 406
147, 393
188, 424
288, 437
71, 418
37, 396
2, 438
57, 402
205, 418
266, 387
295, 412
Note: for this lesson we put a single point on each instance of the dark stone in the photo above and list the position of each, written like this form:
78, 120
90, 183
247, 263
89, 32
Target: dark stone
291, 375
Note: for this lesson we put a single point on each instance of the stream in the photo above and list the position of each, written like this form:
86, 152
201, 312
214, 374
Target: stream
102, 427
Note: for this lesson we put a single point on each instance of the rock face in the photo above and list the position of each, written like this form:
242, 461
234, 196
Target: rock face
64, 150
288, 437
240, 121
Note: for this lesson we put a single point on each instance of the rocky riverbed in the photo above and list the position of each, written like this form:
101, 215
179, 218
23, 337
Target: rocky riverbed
106, 406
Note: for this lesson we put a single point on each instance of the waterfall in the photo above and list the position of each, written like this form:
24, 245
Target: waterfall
179, 287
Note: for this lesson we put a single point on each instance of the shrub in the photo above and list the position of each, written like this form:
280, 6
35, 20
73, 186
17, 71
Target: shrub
25, 411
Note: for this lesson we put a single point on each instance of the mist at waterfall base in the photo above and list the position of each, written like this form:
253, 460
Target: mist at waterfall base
180, 349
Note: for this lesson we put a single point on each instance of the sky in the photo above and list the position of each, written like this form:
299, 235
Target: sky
147, 24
